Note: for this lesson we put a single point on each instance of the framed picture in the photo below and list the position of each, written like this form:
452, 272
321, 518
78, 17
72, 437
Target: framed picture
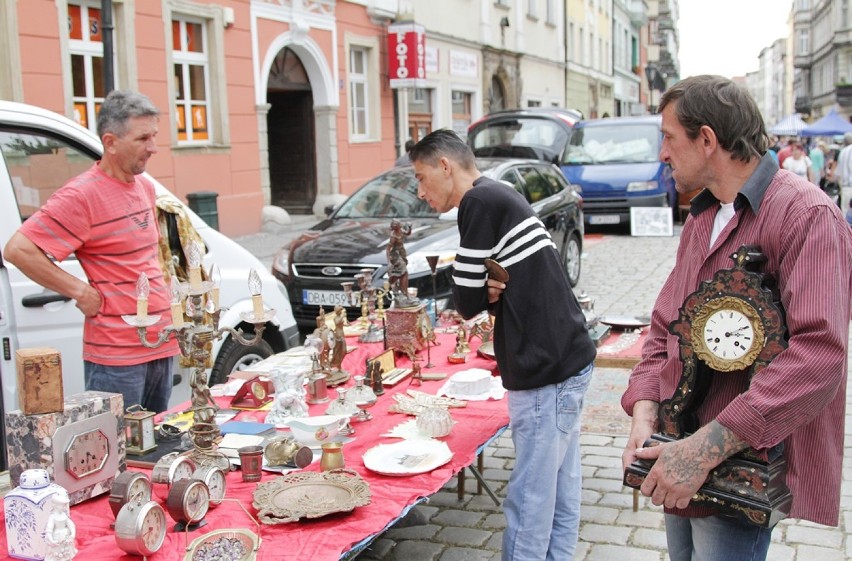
651, 221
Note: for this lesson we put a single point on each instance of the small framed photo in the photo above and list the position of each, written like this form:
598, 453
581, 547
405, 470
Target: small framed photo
651, 221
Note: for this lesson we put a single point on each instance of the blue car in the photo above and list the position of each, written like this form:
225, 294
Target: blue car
615, 162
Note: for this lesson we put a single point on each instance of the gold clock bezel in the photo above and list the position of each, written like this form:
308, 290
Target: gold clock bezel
722, 303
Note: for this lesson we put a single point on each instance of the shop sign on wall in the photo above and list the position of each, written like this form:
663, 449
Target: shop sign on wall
407, 52
464, 64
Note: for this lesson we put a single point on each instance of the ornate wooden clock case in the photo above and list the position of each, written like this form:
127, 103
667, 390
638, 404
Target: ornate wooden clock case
731, 323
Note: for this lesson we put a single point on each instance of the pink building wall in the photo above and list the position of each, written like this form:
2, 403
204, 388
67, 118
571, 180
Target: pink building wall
234, 172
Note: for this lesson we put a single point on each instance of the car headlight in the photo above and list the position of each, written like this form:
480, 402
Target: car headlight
417, 262
634, 186
281, 261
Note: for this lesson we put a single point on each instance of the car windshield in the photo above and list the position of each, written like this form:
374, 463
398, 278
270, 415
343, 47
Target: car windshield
517, 132
613, 144
392, 194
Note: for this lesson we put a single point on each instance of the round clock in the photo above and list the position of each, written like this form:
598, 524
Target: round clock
214, 477
258, 390
728, 333
140, 527
129, 486
188, 501
170, 469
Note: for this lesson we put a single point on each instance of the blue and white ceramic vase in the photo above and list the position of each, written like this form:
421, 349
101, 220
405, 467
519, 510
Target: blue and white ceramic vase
27, 508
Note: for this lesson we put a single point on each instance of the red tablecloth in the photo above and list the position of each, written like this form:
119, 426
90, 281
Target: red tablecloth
330, 537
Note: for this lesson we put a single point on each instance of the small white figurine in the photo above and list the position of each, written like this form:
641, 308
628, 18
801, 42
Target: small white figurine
60, 531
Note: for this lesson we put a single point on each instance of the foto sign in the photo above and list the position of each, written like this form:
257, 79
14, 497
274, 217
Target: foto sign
407, 53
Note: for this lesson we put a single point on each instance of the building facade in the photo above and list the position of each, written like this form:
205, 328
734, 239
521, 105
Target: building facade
290, 103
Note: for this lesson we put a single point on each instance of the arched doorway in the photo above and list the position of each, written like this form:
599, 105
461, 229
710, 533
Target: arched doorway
291, 135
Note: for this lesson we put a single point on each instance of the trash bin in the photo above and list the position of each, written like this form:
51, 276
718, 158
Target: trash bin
204, 205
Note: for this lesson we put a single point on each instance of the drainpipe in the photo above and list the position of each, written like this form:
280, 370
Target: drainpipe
106, 34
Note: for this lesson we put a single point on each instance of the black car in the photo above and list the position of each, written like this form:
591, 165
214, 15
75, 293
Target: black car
355, 236
535, 132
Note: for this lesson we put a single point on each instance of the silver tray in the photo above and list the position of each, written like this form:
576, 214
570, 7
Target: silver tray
625, 322
307, 494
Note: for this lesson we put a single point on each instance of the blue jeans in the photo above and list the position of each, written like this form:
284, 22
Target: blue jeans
715, 538
148, 384
542, 503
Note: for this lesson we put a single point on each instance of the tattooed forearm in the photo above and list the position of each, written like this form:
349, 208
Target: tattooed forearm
700, 453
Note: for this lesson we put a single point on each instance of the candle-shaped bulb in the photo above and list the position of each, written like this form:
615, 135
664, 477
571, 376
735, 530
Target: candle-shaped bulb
216, 275
256, 299
143, 289
254, 284
193, 255
177, 309
174, 291
190, 307
216, 278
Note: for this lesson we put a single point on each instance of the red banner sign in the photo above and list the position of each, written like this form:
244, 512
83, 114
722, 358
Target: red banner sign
407, 52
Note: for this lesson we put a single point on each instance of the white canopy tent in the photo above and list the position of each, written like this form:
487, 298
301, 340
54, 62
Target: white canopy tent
791, 125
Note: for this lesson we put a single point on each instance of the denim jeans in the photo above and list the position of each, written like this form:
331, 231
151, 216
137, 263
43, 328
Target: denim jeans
715, 538
148, 384
542, 503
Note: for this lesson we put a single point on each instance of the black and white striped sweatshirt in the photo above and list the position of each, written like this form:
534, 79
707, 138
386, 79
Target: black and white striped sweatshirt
539, 336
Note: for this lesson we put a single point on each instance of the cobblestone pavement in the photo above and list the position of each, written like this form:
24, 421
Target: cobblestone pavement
623, 275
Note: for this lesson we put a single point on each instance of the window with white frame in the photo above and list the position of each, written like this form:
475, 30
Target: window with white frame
461, 102
85, 46
803, 43
359, 116
551, 12
531, 8
191, 65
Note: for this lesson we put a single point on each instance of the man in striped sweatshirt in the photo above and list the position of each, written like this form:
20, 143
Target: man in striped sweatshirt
541, 344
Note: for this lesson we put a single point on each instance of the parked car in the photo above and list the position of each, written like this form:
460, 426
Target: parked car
535, 132
616, 164
355, 235
39, 152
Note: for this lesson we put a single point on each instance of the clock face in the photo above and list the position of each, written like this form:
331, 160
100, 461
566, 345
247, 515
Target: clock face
258, 390
87, 453
215, 480
153, 528
141, 487
148, 439
196, 501
728, 334
188, 500
183, 469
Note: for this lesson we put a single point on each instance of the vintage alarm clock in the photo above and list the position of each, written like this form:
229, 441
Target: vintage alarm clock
255, 392
214, 477
170, 469
128, 486
188, 502
139, 426
140, 527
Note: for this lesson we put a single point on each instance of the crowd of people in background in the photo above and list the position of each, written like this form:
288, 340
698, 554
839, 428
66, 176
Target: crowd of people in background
828, 165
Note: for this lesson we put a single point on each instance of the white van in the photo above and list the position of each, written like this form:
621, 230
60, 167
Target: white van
39, 152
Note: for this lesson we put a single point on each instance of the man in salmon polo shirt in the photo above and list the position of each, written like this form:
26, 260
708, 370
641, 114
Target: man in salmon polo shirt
106, 217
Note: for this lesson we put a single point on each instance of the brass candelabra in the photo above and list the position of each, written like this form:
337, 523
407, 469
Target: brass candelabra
201, 298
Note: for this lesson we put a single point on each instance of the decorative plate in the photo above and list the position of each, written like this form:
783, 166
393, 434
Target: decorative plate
309, 495
626, 322
408, 457
230, 545
413, 402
